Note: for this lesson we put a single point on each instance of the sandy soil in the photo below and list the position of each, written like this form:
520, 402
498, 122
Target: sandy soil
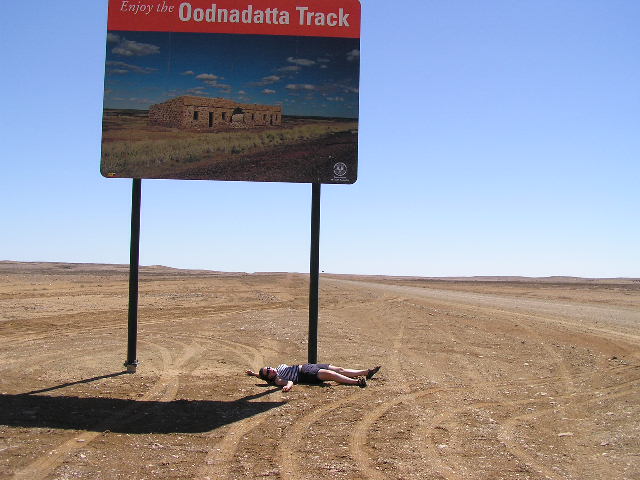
510, 379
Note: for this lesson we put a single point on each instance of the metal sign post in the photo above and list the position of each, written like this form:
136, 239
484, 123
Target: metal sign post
134, 261
314, 273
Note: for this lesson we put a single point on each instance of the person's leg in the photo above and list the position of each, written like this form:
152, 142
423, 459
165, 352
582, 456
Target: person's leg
336, 377
348, 372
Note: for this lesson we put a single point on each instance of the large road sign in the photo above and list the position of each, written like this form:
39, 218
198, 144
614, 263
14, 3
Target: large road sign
265, 90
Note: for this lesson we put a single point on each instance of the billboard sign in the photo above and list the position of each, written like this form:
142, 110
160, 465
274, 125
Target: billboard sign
256, 90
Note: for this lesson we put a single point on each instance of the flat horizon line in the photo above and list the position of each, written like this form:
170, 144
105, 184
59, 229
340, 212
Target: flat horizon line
159, 269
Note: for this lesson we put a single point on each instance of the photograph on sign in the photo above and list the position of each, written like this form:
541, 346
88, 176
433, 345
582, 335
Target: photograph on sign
197, 91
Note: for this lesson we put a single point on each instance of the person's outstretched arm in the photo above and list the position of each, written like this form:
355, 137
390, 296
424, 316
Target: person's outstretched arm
285, 384
251, 373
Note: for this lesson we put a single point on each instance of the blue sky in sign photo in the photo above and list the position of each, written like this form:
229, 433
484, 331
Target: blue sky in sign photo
306, 75
496, 138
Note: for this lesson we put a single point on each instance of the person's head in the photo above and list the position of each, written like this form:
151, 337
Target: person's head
268, 374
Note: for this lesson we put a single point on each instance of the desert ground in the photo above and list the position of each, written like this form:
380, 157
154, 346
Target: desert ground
484, 378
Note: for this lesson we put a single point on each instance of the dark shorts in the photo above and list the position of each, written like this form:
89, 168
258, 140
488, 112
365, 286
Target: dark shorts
309, 372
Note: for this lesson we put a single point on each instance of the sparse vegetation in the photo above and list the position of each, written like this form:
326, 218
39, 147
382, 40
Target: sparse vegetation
142, 147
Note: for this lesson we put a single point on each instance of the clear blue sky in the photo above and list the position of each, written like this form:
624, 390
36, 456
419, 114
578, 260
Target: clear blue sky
496, 138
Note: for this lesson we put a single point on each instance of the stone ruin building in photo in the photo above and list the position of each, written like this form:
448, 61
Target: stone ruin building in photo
204, 113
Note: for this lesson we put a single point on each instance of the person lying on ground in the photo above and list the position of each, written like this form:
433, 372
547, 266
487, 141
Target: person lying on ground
286, 376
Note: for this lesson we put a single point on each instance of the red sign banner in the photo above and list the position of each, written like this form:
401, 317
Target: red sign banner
313, 18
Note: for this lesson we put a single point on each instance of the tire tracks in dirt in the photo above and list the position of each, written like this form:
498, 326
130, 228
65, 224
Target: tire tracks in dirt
290, 468
423, 430
564, 379
362, 429
287, 450
164, 390
507, 435
434, 453
219, 458
147, 316
358, 439
573, 315
361, 432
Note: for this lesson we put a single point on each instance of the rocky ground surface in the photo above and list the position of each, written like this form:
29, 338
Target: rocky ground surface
482, 378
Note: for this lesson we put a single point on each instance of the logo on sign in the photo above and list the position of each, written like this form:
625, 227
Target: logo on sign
339, 169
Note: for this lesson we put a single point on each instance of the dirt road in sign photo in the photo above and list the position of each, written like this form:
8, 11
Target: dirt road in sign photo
485, 378
304, 150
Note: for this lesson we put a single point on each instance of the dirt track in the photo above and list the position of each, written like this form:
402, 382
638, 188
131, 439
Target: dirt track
480, 380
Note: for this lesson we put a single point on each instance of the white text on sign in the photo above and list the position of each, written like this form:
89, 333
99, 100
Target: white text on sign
270, 16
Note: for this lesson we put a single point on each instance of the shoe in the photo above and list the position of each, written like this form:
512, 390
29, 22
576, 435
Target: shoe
362, 382
372, 371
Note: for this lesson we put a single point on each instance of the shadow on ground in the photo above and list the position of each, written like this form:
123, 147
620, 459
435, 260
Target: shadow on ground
127, 416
